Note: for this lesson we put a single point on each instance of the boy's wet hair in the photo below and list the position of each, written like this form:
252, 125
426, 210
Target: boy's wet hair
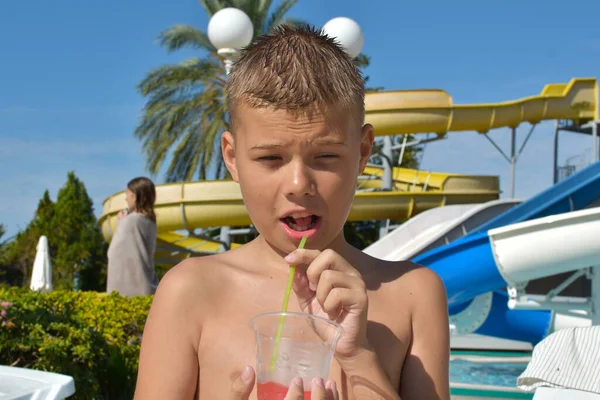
296, 69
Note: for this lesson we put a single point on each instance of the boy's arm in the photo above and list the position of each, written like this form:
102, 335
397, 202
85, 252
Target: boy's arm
425, 370
168, 358
425, 374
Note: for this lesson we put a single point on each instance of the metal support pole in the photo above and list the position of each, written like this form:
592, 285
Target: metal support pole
514, 155
228, 58
402, 149
556, 131
595, 295
513, 160
387, 182
595, 141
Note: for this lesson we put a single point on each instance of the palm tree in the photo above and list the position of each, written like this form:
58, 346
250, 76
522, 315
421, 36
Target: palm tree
185, 111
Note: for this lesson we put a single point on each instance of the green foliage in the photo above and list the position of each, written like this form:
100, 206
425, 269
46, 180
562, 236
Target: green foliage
76, 243
77, 239
8, 274
17, 257
94, 338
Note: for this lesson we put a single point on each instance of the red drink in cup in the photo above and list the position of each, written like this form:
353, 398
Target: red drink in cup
275, 391
304, 348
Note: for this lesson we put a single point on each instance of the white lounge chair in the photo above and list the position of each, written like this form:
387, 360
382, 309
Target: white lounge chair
565, 365
548, 393
29, 384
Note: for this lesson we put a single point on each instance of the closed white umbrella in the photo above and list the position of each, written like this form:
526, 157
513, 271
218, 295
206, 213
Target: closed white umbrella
41, 276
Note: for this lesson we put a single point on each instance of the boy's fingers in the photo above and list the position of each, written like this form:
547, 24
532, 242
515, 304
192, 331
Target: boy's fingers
331, 280
344, 299
242, 385
332, 392
296, 390
301, 287
302, 256
318, 391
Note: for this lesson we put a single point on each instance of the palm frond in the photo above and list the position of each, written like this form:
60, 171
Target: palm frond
212, 6
162, 131
185, 110
184, 36
260, 17
362, 60
279, 13
198, 141
181, 76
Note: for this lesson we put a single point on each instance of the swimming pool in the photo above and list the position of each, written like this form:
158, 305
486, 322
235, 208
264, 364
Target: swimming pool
487, 375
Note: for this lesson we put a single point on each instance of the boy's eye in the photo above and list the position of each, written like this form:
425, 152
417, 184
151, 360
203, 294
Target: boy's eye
328, 156
269, 158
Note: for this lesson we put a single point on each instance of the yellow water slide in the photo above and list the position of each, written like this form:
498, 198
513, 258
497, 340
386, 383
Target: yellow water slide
191, 205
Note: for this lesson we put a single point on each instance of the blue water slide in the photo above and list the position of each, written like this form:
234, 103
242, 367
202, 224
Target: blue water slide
574, 193
468, 268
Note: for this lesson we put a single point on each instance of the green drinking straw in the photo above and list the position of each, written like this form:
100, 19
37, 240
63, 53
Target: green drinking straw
286, 298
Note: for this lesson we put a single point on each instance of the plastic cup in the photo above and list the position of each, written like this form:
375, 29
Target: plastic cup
305, 349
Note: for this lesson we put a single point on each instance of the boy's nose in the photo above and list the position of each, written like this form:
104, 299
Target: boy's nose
300, 182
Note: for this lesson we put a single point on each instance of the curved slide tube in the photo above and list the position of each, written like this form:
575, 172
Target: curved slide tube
473, 252
485, 262
211, 204
432, 111
191, 205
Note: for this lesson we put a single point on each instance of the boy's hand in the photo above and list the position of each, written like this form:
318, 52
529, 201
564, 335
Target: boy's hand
319, 390
243, 385
330, 287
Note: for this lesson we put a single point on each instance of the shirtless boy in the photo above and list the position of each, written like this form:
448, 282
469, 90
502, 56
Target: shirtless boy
296, 146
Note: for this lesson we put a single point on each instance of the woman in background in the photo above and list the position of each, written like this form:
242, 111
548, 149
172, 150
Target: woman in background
131, 269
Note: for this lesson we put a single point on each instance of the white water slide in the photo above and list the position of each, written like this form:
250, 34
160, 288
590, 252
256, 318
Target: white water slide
434, 228
437, 227
518, 253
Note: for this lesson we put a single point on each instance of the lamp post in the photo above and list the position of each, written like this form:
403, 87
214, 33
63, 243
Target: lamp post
347, 32
229, 30
350, 36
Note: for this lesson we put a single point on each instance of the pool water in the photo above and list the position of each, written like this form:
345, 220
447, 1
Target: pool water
503, 374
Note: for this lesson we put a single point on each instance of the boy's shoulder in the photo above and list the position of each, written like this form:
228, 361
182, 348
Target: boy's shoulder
203, 275
193, 282
405, 279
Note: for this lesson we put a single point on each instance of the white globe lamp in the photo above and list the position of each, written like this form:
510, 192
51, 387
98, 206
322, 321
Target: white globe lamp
347, 33
229, 30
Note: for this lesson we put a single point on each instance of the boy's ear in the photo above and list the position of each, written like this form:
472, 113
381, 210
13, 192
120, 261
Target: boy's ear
228, 151
366, 146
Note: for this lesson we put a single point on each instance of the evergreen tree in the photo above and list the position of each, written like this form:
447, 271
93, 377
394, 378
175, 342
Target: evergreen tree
17, 257
44, 216
5, 271
79, 245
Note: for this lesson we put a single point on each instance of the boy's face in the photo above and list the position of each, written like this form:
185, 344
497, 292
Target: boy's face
297, 174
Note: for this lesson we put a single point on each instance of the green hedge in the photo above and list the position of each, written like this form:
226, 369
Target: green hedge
93, 337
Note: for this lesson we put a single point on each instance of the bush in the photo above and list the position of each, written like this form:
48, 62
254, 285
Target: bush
93, 337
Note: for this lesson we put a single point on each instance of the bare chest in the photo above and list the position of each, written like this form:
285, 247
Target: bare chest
227, 344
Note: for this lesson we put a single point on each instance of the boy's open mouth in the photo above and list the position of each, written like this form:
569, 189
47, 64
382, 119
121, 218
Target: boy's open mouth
301, 223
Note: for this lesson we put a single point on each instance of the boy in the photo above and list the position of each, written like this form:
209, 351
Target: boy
296, 146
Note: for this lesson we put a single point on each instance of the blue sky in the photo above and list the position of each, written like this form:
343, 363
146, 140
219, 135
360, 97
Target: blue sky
69, 68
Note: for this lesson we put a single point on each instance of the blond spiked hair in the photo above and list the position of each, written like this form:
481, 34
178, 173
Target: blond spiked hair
296, 69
